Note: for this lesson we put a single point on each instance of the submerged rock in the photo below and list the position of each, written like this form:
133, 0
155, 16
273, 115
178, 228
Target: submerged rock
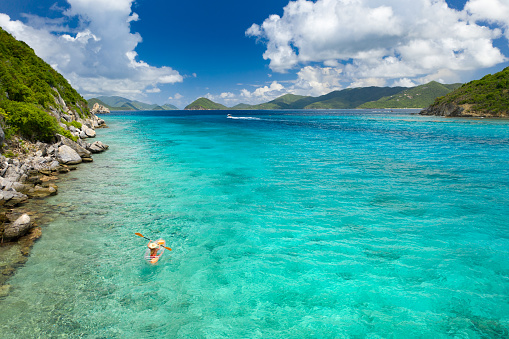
18, 228
42, 192
12, 198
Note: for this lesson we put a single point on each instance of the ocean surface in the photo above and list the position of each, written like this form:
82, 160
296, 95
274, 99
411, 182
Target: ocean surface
303, 224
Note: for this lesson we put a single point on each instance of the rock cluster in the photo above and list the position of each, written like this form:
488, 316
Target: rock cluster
32, 173
445, 110
99, 109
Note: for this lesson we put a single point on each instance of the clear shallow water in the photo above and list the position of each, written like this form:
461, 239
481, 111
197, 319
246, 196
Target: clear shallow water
306, 225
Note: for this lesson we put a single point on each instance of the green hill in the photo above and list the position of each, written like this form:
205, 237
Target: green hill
352, 97
414, 97
204, 104
488, 96
93, 101
286, 101
119, 103
169, 107
364, 97
242, 106
32, 93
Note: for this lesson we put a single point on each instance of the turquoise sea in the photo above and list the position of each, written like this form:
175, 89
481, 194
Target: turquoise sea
303, 224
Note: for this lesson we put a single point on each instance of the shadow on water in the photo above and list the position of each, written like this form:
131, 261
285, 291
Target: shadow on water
148, 271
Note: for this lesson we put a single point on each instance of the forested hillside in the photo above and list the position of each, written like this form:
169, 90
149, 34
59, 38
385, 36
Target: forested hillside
30, 90
204, 104
488, 96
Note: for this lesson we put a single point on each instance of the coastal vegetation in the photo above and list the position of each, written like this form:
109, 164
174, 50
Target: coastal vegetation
488, 96
30, 90
414, 97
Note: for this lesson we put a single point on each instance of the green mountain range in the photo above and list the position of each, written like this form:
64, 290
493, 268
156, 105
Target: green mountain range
364, 97
488, 96
116, 103
31, 93
415, 97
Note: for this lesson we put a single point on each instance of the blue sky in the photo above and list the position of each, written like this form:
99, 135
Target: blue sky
160, 51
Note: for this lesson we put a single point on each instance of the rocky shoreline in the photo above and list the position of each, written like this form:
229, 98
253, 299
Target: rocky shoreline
28, 172
453, 110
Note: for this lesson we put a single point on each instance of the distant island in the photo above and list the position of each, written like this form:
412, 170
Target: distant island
116, 103
487, 97
364, 97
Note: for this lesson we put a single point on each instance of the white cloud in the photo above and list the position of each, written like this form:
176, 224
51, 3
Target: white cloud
364, 42
404, 82
264, 93
316, 81
153, 90
177, 96
368, 82
259, 95
100, 57
227, 95
494, 11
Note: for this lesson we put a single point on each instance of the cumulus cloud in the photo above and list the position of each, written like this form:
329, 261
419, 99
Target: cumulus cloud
316, 81
99, 57
177, 96
227, 95
263, 93
365, 42
493, 11
259, 95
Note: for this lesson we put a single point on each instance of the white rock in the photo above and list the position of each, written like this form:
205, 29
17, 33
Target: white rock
18, 228
68, 156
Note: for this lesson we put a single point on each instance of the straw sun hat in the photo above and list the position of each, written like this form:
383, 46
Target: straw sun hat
153, 245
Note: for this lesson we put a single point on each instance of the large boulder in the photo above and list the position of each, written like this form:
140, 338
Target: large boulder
13, 173
87, 132
18, 228
67, 156
97, 147
99, 109
84, 153
12, 198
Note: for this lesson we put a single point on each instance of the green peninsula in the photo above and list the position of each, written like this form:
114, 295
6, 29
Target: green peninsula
488, 97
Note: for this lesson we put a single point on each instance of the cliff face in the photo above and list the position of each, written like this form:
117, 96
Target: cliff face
487, 97
443, 109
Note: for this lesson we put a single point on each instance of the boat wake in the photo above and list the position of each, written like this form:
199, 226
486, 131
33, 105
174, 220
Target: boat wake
243, 118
